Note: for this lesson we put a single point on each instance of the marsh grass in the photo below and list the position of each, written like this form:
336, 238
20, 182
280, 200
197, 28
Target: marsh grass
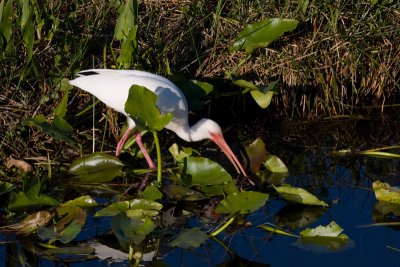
341, 60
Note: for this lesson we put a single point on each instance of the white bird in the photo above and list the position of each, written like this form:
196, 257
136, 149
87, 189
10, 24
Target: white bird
112, 88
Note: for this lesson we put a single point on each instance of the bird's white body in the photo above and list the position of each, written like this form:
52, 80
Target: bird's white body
112, 88
117, 83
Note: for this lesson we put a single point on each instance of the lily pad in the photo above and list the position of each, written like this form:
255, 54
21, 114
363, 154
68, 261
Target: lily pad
275, 164
324, 239
203, 171
385, 193
299, 195
141, 107
82, 202
131, 230
151, 193
242, 202
96, 168
134, 208
262, 33
30, 224
191, 238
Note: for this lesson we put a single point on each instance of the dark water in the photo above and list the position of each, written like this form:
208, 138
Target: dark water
345, 183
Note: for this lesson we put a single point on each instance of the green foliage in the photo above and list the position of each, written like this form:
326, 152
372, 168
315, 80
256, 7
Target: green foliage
141, 107
242, 202
31, 198
190, 238
262, 33
299, 195
96, 168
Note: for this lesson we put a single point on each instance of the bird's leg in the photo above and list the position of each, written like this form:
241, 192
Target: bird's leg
121, 142
146, 155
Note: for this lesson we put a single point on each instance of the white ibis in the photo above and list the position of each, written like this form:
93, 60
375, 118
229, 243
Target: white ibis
112, 88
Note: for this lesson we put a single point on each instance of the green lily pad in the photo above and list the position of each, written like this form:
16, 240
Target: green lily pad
30, 224
324, 239
275, 164
141, 107
96, 168
299, 195
82, 202
262, 33
134, 208
386, 193
131, 230
151, 193
30, 199
203, 171
191, 238
242, 202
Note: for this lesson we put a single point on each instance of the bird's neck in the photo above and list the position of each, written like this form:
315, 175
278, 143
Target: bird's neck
190, 134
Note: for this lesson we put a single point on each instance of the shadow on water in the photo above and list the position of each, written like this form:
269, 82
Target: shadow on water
345, 183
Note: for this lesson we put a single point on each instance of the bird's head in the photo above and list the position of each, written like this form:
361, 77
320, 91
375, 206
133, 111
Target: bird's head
209, 129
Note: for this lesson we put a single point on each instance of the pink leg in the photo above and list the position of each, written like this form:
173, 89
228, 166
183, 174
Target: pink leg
121, 142
144, 151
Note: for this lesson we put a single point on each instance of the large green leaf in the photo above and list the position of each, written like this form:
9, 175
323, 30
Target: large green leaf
264, 95
151, 192
134, 208
242, 202
141, 107
29, 199
262, 33
191, 238
203, 171
96, 168
131, 230
127, 19
299, 195
82, 202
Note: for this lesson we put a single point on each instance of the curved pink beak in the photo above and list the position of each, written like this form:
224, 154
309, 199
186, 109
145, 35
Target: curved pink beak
220, 141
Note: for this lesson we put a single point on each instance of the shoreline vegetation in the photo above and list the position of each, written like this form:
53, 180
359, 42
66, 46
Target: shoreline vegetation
341, 60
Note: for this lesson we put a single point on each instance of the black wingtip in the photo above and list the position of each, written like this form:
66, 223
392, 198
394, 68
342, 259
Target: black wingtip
87, 73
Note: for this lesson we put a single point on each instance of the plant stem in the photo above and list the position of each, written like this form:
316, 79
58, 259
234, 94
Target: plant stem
222, 228
158, 149
130, 257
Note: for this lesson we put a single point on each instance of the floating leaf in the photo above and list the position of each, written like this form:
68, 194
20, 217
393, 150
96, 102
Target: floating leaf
134, 208
113, 209
262, 33
331, 230
275, 164
299, 195
82, 202
141, 107
257, 154
242, 202
131, 230
191, 238
74, 254
29, 199
178, 192
96, 168
385, 193
30, 224
151, 193
203, 171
